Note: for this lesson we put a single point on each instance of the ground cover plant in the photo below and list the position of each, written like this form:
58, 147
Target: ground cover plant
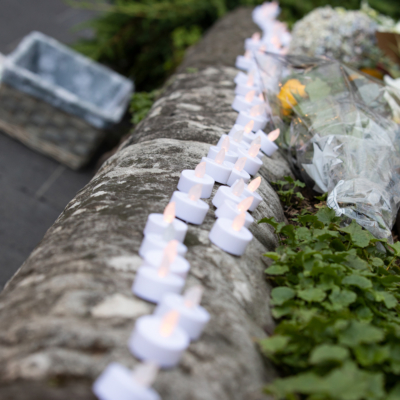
335, 300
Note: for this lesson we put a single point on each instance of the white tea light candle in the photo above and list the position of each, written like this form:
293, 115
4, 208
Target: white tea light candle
189, 207
250, 190
253, 43
238, 172
256, 114
158, 223
245, 62
231, 236
231, 210
190, 178
218, 169
234, 193
178, 265
159, 339
243, 90
152, 283
230, 156
193, 318
120, 383
267, 141
159, 242
253, 163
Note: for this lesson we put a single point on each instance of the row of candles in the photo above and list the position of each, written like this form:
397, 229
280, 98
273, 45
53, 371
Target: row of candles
160, 339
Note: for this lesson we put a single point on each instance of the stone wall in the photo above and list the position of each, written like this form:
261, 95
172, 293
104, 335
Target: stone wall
69, 310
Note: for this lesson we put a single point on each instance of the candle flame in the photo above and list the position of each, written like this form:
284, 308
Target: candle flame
145, 373
276, 42
195, 192
245, 204
220, 157
200, 170
256, 36
240, 163
169, 323
226, 143
171, 250
192, 296
238, 187
169, 212
250, 96
249, 127
257, 110
238, 222
250, 81
247, 54
272, 136
262, 48
163, 269
254, 184
254, 148
238, 136
261, 97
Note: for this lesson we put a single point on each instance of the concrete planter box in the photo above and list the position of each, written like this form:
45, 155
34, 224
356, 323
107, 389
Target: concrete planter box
58, 101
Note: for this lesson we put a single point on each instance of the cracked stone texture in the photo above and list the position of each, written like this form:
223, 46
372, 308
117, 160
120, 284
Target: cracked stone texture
69, 310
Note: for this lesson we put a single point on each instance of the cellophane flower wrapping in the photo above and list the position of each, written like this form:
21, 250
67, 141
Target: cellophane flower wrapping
339, 129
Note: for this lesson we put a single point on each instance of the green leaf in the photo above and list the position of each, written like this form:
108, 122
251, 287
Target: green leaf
271, 254
389, 300
277, 269
394, 393
359, 332
281, 294
342, 298
357, 280
337, 245
376, 262
396, 248
318, 89
358, 236
311, 294
326, 215
328, 352
274, 344
371, 354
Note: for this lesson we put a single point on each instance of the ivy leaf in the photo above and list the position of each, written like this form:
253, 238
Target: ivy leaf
277, 269
274, 344
326, 215
359, 332
358, 236
271, 254
312, 294
342, 298
281, 294
388, 299
357, 280
328, 352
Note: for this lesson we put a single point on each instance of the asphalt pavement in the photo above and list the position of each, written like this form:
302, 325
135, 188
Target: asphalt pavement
34, 189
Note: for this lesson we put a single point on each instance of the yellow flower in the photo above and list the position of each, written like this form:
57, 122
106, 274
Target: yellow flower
291, 87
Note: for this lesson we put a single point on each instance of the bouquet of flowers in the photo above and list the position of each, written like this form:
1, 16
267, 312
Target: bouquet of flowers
340, 130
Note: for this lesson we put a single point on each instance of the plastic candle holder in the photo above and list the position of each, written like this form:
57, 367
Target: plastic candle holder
120, 383
230, 156
231, 236
229, 210
189, 207
159, 339
245, 62
253, 164
150, 286
244, 117
192, 317
268, 145
158, 223
218, 168
234, 193
158, 242
238, 172
179, 266
253, 43
190, 178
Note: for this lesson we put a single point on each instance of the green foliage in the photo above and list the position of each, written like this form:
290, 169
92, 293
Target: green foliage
146, 39
287, 190
336, 301
141, 103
